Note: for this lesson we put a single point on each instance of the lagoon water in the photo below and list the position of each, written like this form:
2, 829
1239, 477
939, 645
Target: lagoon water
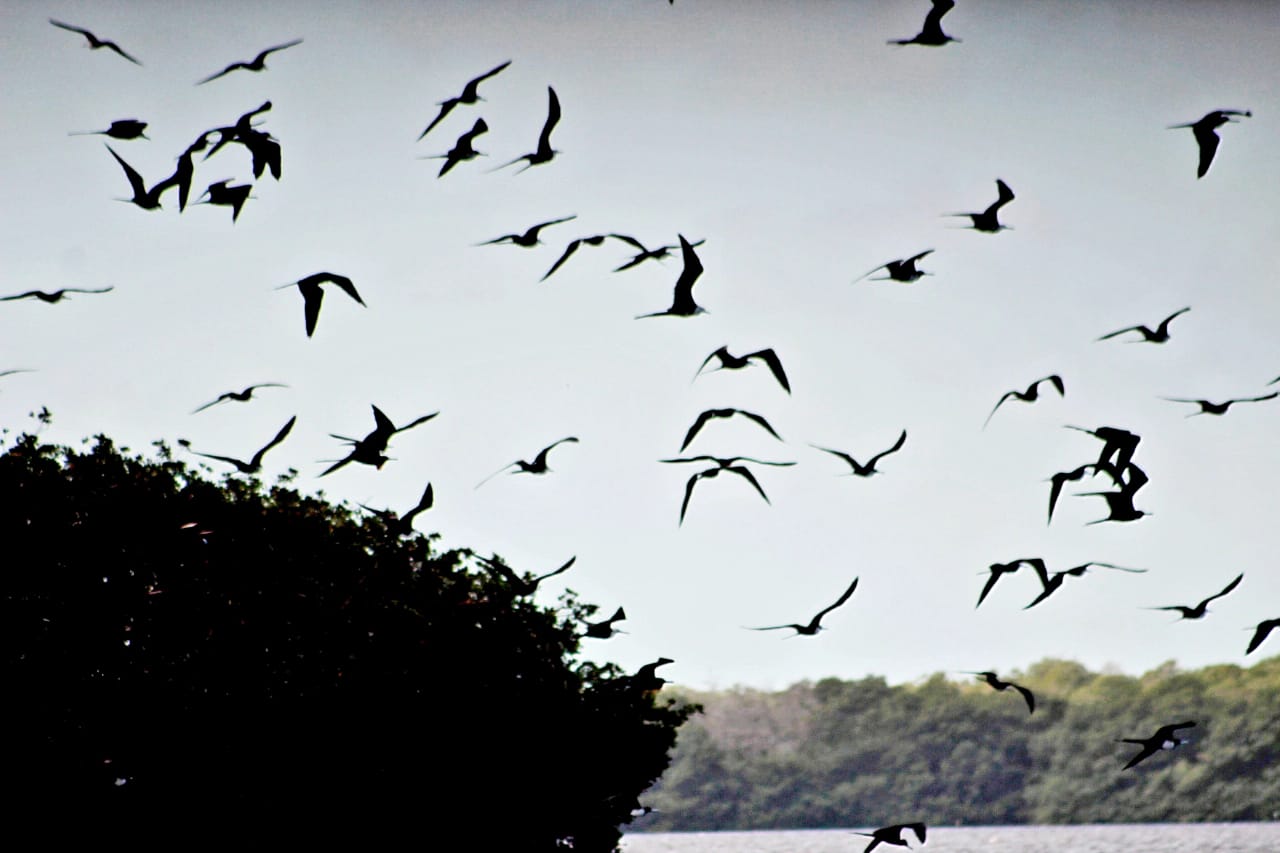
1089, 838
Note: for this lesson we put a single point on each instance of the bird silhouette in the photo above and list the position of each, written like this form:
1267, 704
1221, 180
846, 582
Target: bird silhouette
1063, 477
1120, 503
470, 95
1211, 408
124, 128
54, 296
903, 270
868, 468
737, 362
254, 465
988, 220
645, 254
1118, 445
893, 834
682, 304
233, 197
94, 41
992, 679
1199, 610
999, 570
931, 33
402, 525
142, 197
369, 450
646, 680
595, 240
1157, 336
604, 629
234, 132
1030, 395
239, 396
525, 584
709, 414
258, 63
537, 466
722, 464
184, 173
1164, 738
1052, 581
463, 149
815, 624
529, 238
1265, 627
544, 152
313, 294
1205, 130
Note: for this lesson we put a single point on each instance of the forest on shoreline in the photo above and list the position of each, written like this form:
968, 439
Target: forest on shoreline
844, 753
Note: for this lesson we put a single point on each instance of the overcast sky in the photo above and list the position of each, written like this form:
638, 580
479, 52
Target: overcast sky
805, 151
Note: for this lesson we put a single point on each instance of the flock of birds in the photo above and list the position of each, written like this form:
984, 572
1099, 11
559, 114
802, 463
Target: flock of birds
1115, 462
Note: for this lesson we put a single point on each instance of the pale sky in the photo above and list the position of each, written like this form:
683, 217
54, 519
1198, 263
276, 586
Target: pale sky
804, 150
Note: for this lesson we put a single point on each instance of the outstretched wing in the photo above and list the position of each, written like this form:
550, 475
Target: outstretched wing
1026, 694
280, 436
902, 439
553, 118
569, 250
769, 357
1235, 583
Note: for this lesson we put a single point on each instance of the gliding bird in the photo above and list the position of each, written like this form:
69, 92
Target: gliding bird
903, 270
254, 465
1199, 610
992, 679
142, 197
988, 220
463, 149
240, 396
1063, 477
369, 450
725, 413
1157, 336
525, 584
1265, 627
537, 466
604, 629
529, 238
931, 33
893, 834
313, 295
402, 525
645, 254
470, 95
55, 296
814, 625
1030, 395
682, 304
1051, 581
1164, 738
998, 570
737, 362
723, 464
1210, 408
544, 152
869, 468
258, 63
94, 41
1205, 130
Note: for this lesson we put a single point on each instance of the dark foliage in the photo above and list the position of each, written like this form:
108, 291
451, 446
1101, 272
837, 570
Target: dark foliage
216, 659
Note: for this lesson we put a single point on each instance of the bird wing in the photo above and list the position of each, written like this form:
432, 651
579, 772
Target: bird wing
723, 351
1117, 332
1235, 583
120, 51
347, 286
998, 404
1164, 324
87, 289
902, 439
232, 67
987, 587
1108, 566
841, 600
1207, 139
1026, 694
1260, 633
553, 118
222, 397
1056, 380
870, 271
698, 425
261, 57
280, 436
761, 461
563, 568
470, 92
412, 424
1166, 732
231, 460
445, 108
1147, 751
688, 492
336, 465
382, 425
760, 420
1270, 396
845, 456
135, 180
20, 295
312, 296
914, 258
425, 503
569, 250
746, 474
688, 277
769, 357
541, 459
630, 240
79, 30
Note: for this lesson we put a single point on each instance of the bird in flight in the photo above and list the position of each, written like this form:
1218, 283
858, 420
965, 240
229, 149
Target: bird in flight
258, 63
55, 296
737, 362
1030, 395
124, 128
94, 41
402, 525
646, 680
646, 254
815, 624
1117, 442
525, 584
988, 220
544, 152
1265, 627
1164, 738
893, 834
313, 295
529, 238
682, 304
470, 95
240, 396
537, 466
254, 465
903, 269
142, 197
604, 629
595, 240
1057, 481
931, 33
1120, 504
992, 679
1199, 610
709, 414
1157, 336
233, 197
463, 149
369, 450
999, 570
869, 468
1051, 581
1205, 130
722, 464
1211, 408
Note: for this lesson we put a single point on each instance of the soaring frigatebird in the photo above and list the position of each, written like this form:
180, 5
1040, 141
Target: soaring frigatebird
682, 304
722, 465
470, 95
1158, 335
1164, 738
1199, 610
313, 295
1205, 130
258, 63
815, 624
893, 834
544, 152
537, 466
903, 269
709, 414
931, 33
729, 361
54, 296
94, 41
254, 465
1030, 395
988, 220
992, 679
369, 450
239, 396
869, 467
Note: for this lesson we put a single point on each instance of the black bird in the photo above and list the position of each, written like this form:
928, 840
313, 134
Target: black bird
525, 584
1198, 611
1030, 395
264, 150
646, 680
869, 468
55, 296
470, 95
544, 152
1164, 738
529, 238
254, 465
1158, 336
1209, 408
402, 525
1120, 504
604, 629
537, 466
737, 362
573, 247
233, 197
999, 570
142, 197
992, 679
1117, 443
988, 219
258, 63
722, 464
815, 624
369, 450
931, 33
1205, 130
240, 396
893, 834
646, 254
682, 304
313, 295
1063, 477
725, 413
1051, 581
1265, 627
125, 128
463, 149
903, 270
184, 173
94, 41
235, 132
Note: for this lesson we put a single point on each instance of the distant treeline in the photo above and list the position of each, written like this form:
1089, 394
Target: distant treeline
862, 753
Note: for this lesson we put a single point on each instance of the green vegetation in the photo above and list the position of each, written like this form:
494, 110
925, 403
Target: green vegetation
187, 659
841, 753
